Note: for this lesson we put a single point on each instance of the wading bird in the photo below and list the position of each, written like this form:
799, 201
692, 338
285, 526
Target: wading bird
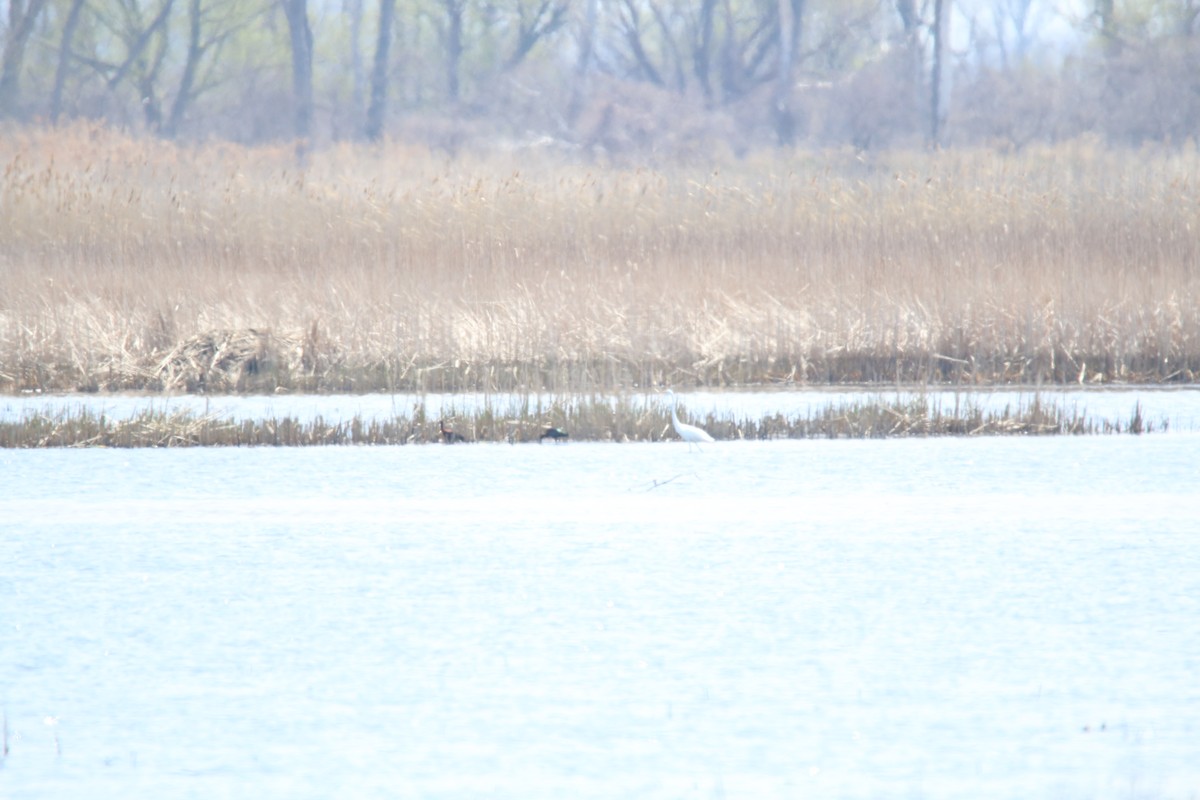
449, 436
689, 433
557, 434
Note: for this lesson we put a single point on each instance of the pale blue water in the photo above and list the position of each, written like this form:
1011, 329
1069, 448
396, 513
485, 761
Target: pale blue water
943, 618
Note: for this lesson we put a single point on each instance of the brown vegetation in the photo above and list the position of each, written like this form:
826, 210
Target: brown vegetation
138, 265
581, 420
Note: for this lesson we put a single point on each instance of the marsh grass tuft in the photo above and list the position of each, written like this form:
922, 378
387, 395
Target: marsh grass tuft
135, 264
584, 419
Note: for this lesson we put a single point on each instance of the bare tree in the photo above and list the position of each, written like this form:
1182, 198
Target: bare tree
301, 38
749, 47
673, 45
791, 14
1019, 16
630, 22
145, 53
147, 77
910, 19
1106, 20
183, 96
533, 26
140, 38
379, 71
358, 77
149, 53
453, 35
1185, 22
935, 79
64, 58
21, 21
583, 65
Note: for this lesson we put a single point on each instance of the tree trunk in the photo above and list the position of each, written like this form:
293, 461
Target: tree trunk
702, 56
730, 66
784, 117
1107, 16
148, 88
64, 59
379, 71
581, 85
454, 47
184, 96
358, 78
914, 56
21, 21
935, 78
672, 59
300, 33
631, 22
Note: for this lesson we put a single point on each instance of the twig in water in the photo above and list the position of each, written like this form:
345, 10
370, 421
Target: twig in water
654, 484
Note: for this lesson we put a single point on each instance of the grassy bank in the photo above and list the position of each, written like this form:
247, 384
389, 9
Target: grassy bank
582, 420
139, 265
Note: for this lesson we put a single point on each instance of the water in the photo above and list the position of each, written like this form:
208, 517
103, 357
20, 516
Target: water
942, 618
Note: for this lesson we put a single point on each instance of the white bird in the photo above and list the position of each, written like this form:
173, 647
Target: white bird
689, 433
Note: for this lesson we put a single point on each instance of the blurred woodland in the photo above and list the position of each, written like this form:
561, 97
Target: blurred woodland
610, 78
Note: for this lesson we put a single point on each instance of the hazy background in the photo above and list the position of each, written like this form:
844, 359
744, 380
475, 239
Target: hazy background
613, 78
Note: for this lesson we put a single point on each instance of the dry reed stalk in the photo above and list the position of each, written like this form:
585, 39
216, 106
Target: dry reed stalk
128, 263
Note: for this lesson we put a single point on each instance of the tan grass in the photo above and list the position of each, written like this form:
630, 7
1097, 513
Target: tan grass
582, 419
135, 264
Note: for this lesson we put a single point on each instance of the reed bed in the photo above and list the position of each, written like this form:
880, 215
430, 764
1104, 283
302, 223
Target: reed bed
581, 419
133, 264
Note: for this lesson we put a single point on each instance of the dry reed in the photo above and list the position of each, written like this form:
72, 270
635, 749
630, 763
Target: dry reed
583, 419
136, 264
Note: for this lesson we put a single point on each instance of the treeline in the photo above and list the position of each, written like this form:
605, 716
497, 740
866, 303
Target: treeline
612, 76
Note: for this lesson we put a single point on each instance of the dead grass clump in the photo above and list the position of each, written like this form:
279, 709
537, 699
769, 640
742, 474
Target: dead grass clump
249, 360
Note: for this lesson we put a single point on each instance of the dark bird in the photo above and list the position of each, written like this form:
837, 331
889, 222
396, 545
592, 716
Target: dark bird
557, 434
449, 436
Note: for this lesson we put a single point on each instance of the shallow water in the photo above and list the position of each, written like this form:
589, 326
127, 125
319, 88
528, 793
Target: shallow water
938, 618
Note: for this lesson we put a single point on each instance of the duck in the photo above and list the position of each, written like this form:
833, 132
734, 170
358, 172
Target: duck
448, 435
557, 434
